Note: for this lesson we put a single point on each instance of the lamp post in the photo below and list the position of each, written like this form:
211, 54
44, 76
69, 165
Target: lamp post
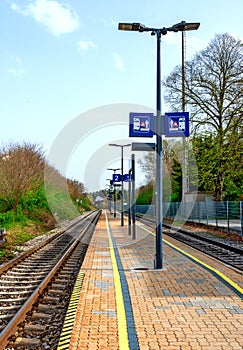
185, 180
122, 199
109, 197
182, 26
114, 170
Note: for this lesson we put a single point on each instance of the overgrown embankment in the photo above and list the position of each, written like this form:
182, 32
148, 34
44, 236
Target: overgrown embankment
24, 208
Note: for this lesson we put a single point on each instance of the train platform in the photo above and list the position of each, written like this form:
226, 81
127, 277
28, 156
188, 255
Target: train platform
121, 302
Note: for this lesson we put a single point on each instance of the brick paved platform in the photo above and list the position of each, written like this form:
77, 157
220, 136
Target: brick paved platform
125, 304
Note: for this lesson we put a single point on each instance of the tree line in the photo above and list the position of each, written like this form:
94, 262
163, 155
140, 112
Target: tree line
23, 188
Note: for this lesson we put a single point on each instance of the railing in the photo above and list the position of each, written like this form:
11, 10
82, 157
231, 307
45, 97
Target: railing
225, 215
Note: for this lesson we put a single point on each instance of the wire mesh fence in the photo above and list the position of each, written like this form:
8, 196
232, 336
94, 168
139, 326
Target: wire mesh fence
226, 215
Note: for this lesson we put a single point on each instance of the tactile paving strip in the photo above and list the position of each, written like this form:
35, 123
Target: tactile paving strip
65, 337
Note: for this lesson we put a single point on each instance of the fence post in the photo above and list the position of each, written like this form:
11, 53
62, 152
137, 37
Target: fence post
241, 217
216, 211
206, 210
198, 212
227, 212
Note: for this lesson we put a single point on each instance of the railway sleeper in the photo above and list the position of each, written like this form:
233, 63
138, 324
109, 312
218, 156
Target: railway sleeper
6, 308
28, 276
19, 278
65, 276
40, 270
47, 308
69, 269
59, 286
6, 317
63, 280
36, 316
41, 262
13, 287
20, 292
55, 292
27, 343
20, 283
27, 264
50, 299
70, 265
12, 300
35, 328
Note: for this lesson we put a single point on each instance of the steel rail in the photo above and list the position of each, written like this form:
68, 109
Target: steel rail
211, 246
4, 267
10, 329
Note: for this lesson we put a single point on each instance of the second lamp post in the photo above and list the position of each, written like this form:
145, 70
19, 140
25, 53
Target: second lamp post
122, 194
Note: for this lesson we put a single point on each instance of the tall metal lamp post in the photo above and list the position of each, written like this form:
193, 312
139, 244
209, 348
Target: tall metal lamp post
185, 179
114, 170
182, 26
122, 199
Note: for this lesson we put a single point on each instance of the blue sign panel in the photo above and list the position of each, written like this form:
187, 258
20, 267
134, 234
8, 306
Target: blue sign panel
141, 124
177, 124
127, 178
116, 177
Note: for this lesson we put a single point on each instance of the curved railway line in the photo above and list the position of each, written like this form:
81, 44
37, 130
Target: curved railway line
228, 251
35, 288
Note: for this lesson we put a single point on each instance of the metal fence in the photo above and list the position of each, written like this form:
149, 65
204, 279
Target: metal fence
225, 215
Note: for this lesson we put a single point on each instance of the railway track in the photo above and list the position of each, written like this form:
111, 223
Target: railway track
228, 251
35, 288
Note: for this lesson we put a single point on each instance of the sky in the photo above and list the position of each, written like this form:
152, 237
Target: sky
63, 61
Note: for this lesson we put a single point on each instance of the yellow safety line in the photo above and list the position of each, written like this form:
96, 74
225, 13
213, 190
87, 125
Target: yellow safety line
121, 314
66, 333
220, 274
217, 272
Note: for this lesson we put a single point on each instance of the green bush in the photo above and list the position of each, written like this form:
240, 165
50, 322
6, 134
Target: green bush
86, 204
10, 217
145, 194
7, 218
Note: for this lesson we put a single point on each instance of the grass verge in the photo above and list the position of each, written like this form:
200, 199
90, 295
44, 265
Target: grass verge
17, 234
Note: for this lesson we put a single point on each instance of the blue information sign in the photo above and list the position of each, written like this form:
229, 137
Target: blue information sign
127, 178
177, 124
116, 177
141, 124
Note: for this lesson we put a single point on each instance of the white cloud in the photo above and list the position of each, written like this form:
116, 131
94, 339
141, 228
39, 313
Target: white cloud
118, 61
57, 18
17, 67
85, 45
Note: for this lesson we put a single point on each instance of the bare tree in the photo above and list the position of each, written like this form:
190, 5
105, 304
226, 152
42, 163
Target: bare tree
214, 96
76, 189
21, 171
214, 85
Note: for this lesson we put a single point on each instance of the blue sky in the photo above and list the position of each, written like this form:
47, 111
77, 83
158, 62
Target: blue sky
60, 59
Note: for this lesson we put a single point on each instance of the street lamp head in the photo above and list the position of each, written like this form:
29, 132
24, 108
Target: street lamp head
179, 27
184, 26
114, 169
116, 145
138, 27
